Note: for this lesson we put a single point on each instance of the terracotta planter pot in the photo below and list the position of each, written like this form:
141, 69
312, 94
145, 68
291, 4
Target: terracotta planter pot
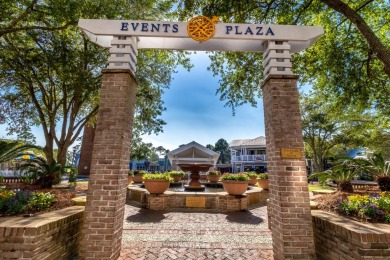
176, 178
156, 186
263, 183
213, 178
235, 187
129, 179
137, 179
253, 180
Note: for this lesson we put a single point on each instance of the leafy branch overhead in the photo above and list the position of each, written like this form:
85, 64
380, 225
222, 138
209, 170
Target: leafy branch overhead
351, 62
50, 74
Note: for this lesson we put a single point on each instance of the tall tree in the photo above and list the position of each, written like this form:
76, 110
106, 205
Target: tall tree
210, 146
222, 147
328, 128
351, 61
318, 131
51, 78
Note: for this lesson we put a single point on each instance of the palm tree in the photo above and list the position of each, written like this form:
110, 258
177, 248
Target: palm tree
46, 173
10, 148
379, 168
342, 173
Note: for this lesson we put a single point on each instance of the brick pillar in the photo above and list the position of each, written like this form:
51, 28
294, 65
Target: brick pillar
103, 217
86, 150
289, 205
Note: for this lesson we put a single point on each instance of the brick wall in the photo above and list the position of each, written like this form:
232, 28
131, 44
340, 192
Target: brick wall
104, 211
52, 235
289, 204
337, 237
214, 201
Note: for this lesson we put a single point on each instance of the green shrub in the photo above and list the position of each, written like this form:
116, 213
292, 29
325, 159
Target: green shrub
141, 172
177, 173
262, 176
158, 176
235, 177
251, 174
130, 173
214, 173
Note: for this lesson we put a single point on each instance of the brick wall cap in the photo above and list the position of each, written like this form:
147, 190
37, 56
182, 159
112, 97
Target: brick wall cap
41, 219
351, 225
265, 81
106, 71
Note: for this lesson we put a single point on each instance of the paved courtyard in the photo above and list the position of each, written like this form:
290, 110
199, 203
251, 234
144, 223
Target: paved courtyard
189, 234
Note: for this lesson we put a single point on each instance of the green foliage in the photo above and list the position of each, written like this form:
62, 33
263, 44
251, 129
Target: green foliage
251, 174
214, 173
377, 165
158, 176
130, 173
222, 147
235, 177
51, 76
47, 173
367, 207
347, 63
262, 176
14, 202
141, 172
72, 174
177, 173
342, 173
10, 148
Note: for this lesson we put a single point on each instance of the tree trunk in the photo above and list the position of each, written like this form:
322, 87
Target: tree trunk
374, 43
384, 183
61, 155
345, 186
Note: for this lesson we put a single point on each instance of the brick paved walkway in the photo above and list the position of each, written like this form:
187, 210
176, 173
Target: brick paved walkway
196, 235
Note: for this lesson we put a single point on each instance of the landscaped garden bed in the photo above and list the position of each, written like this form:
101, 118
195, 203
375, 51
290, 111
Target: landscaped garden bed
22, 199
372, 207
352, 226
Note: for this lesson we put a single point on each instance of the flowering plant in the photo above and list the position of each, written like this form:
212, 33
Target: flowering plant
214, 173
17, 201
367, 207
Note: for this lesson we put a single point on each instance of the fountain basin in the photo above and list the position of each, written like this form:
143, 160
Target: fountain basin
213, 201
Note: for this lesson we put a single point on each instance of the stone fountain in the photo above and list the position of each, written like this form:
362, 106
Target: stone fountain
193, 158
194, 168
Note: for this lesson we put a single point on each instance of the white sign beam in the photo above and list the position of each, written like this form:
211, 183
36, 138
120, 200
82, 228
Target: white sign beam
173, 35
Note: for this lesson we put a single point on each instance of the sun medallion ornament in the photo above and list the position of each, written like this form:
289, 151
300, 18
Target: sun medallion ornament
202, 28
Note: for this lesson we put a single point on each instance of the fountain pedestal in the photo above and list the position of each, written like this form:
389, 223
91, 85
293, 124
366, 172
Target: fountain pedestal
194, 168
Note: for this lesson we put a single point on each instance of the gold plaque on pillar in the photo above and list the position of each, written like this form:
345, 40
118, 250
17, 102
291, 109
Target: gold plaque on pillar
196, 202
291, 153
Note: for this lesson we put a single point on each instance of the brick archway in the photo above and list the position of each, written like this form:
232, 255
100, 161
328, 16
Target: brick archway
290, 215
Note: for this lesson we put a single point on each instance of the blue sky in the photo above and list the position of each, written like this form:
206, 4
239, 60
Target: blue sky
195, 113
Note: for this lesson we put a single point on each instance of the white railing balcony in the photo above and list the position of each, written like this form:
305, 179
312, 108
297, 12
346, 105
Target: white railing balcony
250, 158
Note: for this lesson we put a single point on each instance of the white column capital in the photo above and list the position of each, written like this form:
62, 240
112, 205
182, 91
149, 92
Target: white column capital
123, 53
277, 58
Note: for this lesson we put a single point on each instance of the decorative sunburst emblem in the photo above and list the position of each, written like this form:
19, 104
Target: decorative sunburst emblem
202, 28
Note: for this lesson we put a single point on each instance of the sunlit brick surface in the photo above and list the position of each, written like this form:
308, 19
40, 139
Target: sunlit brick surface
289, 206
103, 218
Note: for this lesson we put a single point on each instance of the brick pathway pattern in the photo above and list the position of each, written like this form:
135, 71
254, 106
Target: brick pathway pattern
189, 234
